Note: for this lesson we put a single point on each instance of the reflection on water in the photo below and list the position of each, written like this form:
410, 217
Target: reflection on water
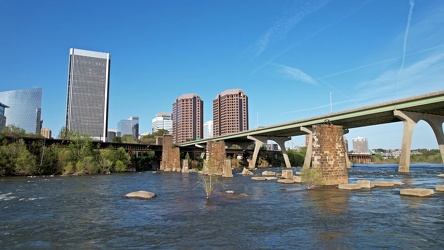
90, 212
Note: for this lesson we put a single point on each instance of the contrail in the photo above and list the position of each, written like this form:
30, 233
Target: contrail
412, 3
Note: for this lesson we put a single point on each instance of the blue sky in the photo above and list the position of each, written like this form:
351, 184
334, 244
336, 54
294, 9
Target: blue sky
288, 56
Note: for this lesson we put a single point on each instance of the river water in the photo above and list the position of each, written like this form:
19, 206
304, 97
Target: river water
90, 212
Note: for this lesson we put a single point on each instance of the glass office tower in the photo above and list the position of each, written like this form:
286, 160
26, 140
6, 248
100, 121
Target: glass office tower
25, 107
88, 92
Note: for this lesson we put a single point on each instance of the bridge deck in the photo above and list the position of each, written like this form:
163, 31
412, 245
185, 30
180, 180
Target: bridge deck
366, 116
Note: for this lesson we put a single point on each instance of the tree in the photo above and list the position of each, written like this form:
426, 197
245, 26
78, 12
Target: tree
312, 178
295, 157
128, 139
13, 130
15, 159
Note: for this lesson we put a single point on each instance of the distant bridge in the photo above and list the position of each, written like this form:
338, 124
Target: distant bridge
429, 107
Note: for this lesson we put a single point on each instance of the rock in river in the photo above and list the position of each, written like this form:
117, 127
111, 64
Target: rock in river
141, 195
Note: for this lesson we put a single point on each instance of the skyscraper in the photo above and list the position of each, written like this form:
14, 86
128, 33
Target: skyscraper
162, 121
88, 92
187, 118
129, 127
230, 112
25, 107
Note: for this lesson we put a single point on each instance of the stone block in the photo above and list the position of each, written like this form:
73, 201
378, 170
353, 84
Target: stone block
421, 192
286, 181
246, 172
364, 183
349, 186
227, 171
297, 179
258, 178
440, 188
268, 173
271, 178
287, 174
383, 184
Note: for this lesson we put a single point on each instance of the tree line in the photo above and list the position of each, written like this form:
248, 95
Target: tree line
78, 158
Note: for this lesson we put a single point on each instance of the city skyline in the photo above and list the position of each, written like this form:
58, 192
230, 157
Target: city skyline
296, 59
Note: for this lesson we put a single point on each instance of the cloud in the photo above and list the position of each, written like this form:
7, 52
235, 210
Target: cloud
296, 74
422, 77
279, 29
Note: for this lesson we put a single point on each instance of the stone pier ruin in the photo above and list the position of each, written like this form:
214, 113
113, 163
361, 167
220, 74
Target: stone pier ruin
329, 153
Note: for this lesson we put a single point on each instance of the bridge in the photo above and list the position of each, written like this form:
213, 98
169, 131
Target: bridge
429, 107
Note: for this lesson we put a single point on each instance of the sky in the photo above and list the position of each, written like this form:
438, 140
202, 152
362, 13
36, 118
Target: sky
294, 59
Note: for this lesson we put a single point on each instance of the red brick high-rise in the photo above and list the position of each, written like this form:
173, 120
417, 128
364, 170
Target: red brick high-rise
230, 112
187, 118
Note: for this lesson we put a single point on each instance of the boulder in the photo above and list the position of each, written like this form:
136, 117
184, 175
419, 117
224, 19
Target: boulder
440, 188
141, 195
349, 186
286, 181
297, 179
364, 184
441, 175
246, 172
268, 173
287, 174
417, 192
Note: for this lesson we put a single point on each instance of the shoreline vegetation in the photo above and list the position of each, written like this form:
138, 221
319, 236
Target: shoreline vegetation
80, 158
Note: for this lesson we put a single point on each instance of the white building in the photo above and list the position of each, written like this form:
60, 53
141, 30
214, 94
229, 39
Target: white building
162, 121
208, 129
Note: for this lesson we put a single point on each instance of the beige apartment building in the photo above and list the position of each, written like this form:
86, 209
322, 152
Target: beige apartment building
187, 118
230, 112
46, 132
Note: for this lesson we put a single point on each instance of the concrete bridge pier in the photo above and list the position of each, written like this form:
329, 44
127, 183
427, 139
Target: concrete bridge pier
309, 152
410, 119
260, 140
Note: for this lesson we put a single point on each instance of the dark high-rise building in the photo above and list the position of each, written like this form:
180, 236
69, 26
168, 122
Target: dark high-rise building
187, 118
230, 112
88, 93
25, 107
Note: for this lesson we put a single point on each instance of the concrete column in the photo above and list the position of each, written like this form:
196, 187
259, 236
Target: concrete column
436, 124
309, 152
347, 160
257, 146
281, 142
260, 140
409, 119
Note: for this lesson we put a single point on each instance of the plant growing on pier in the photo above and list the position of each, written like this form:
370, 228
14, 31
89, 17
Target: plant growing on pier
210, 178
312, 178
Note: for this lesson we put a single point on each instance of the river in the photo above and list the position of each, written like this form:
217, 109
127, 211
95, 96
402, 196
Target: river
90, 212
